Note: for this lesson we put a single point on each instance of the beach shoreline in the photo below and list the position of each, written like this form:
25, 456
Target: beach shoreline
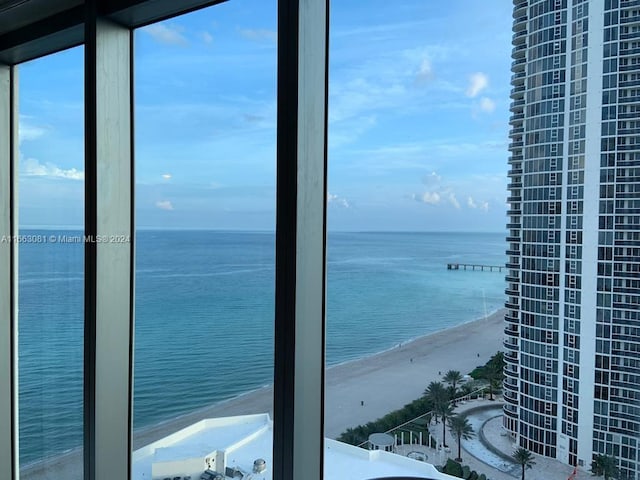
356, 392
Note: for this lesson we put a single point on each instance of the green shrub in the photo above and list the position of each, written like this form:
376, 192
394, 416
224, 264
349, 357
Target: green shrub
453, 468
466, 472
359, 434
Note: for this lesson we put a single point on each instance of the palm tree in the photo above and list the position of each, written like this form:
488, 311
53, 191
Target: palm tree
493, 378
444, 410
493, 374
436, 392
523, 457
461, 428
468, 387
604, 466
453, 378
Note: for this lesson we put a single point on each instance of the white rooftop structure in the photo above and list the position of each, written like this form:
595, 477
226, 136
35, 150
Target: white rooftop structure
240, 447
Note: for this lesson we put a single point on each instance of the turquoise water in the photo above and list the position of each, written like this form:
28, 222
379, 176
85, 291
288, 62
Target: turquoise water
204, 316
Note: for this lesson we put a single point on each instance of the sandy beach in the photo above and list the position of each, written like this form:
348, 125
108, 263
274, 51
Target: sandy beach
356, 392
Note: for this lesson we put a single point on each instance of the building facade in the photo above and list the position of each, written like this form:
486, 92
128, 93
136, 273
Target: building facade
572, 334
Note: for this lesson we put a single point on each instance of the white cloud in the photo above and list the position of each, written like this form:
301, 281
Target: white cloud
164, 205
206, 37
477, 83
425, 72
453, 200
438, 192
390, 80
337, 200
259, 34
33, 168
163, 33
166, 176
436, 198
487, 105
471, 203
355, 96
431, 198
29, 132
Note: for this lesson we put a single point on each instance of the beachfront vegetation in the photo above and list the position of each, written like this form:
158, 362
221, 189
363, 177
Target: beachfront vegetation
452, 468
469, 387
455, 469
360, 434
461, 429
454, 379
436, 392
524, 458
604, 466
444, 410
433, 405
491, 372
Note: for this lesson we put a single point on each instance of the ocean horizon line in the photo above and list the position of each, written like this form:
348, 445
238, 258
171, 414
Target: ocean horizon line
76, 228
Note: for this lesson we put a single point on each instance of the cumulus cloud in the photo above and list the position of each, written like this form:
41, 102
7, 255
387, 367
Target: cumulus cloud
477, 83
337, 200
33, 168
430, 198
425, 72
259, 34
458, 193
168, 35
487, 105
453, 200
471, 203
164, 205
437, 193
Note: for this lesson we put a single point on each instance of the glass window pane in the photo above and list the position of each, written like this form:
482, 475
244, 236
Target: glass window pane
417, 175
51, 265
205, 217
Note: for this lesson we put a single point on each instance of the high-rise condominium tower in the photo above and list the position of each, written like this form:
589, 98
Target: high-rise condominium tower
572, 375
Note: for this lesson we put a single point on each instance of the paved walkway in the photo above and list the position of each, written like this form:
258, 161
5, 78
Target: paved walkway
486, 415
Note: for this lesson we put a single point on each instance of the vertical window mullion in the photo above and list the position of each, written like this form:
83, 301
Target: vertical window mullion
108, 248
300, 239
9, 463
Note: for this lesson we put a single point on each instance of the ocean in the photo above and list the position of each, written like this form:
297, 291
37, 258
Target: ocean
204, 315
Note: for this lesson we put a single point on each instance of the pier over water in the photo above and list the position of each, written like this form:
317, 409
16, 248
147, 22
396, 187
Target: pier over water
472, 266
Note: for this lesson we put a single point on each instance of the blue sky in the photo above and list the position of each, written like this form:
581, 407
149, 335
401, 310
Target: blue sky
419, 100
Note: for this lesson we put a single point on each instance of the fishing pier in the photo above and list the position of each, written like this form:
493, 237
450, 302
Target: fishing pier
472, 266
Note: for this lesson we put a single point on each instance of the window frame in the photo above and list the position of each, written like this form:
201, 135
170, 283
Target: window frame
105, 28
